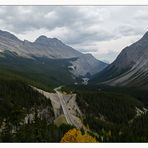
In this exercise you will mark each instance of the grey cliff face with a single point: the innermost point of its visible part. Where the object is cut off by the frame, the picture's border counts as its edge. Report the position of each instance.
(87, 64)
(132, 64)
(7, 35)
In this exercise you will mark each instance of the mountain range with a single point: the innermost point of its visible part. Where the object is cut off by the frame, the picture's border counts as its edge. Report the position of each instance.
(46, 59)
(33, 108)
(130, 67)
(50, 61)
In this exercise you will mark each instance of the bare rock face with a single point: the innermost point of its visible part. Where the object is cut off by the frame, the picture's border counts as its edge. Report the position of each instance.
(86, 64)
(130, 55)
(43, 46)
(131, 66)
(54, 48)
(51, 48)
(5, 34)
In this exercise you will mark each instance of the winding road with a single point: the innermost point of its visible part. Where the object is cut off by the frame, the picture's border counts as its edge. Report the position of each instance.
(59, 99)
(69, 118)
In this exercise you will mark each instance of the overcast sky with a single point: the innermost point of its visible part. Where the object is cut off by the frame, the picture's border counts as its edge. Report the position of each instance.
(101, 30)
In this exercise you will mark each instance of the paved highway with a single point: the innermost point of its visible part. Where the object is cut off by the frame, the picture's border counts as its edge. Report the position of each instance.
(68, 116)
(60, 99)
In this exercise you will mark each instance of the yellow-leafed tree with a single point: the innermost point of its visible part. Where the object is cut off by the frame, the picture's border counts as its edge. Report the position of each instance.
(75, 135)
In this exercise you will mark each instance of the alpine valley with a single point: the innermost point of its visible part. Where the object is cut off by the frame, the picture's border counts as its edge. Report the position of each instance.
(48, 88)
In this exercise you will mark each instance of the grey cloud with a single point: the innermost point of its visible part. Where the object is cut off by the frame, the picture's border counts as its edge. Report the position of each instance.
(141, 15)
(22, 20)
(83, 36)
(127, 30)
(84, 25)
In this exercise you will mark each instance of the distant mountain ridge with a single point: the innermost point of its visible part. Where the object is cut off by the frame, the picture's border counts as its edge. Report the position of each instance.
(46, 49)
(42, 46)
(130, 68)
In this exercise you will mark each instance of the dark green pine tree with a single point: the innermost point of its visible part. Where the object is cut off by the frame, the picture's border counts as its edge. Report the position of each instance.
(6, 135)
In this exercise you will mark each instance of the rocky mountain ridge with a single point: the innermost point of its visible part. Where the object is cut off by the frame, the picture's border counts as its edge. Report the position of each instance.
(130, 68)
(77, 63)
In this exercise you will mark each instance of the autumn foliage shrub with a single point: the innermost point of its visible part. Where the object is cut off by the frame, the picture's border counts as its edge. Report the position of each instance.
(75, 135)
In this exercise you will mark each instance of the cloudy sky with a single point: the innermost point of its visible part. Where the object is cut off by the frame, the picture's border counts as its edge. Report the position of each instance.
(101, 30)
